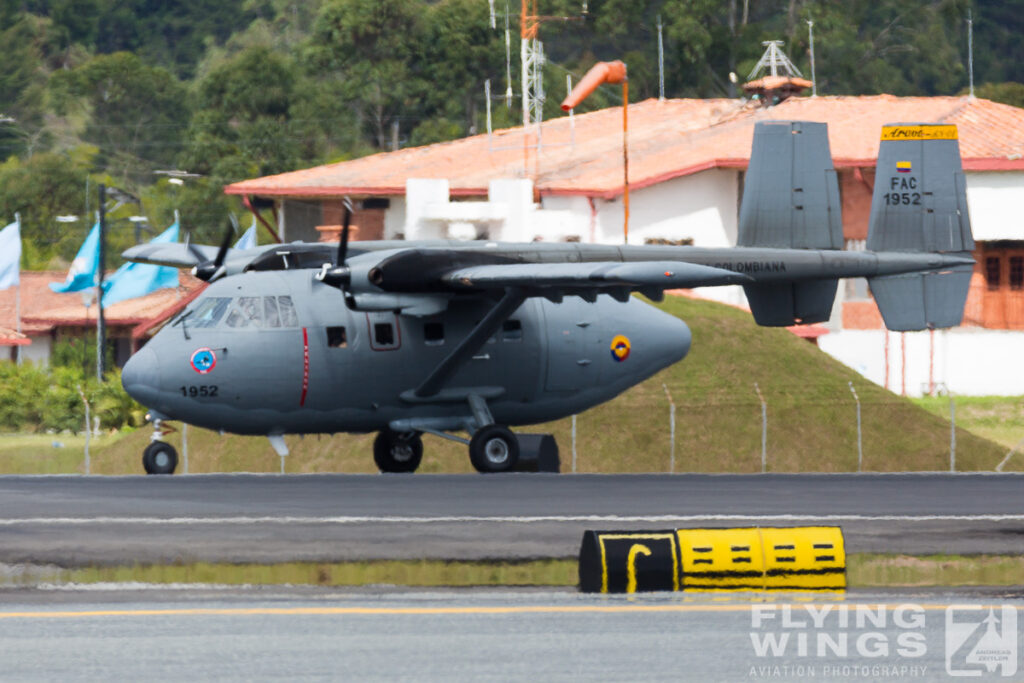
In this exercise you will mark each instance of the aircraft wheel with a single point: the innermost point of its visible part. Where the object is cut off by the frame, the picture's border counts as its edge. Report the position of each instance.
(494, 449)
(160, 458)
(397, 452)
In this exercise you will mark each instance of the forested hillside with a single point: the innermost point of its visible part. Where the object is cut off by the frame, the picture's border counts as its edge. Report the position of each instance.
(112, 90)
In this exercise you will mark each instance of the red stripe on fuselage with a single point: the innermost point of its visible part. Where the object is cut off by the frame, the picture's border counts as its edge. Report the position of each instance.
(305, 366)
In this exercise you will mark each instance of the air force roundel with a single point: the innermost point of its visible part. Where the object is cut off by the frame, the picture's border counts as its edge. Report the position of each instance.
(620, 348)
(204, 360)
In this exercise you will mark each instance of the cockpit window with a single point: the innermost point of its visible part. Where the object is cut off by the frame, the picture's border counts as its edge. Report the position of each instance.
(271, 318)
(209, 312)
(287, 310)
(247, 312)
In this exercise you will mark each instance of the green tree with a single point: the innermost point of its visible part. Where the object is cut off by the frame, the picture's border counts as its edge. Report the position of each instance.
(137, 113)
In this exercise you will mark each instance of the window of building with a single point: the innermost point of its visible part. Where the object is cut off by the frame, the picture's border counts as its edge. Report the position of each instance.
(992, 272)
(433, 334)
(512, 330)
(336, 338)
(1017, 272)
(384, 334)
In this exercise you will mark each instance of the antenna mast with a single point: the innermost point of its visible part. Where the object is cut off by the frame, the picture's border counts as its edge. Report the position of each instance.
(772, 59)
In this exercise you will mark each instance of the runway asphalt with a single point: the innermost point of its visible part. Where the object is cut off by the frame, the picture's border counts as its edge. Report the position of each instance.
(74, 520)
(499, 636)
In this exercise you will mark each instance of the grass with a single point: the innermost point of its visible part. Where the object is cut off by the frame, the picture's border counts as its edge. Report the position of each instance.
(50, 453)
(998, 418)
(811, 420)
(863, 571)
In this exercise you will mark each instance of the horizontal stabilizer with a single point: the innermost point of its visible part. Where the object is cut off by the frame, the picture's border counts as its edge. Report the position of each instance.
(791, 194)
(782, 304)
(921, 301)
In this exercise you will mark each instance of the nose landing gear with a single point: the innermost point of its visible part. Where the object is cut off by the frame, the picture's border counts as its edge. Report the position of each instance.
(397, 451)
(160, 456)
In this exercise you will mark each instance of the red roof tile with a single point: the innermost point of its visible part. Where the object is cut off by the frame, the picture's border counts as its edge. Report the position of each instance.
(667, 139)
(43, 309)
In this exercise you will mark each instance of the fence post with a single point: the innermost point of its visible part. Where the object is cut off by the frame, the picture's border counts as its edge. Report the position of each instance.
(671, 430)
(88, 427)
(574, 444)
(764, 429)
(860, 441)
(952, 432)
(184, 446)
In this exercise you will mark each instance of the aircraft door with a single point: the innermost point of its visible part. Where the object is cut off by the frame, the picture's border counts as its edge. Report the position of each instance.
(574, 342)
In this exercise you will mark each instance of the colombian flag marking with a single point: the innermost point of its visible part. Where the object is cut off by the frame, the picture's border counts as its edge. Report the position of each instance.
(903, 166)
(620, 348)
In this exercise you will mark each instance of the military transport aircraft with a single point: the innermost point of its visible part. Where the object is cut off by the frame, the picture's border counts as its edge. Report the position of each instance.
(405, 338)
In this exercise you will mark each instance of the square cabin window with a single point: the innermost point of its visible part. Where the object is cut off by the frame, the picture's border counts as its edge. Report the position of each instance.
(384, 334)
(433, 334)
(512, 331)
(336, 338)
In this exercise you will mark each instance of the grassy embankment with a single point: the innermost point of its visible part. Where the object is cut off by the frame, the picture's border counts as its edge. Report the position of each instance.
(864, 571)
(811, 421)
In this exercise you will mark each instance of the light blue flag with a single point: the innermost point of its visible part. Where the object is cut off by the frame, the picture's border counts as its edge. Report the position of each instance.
(248, 239)
(10, 256)
(139, 279)
(82, 274)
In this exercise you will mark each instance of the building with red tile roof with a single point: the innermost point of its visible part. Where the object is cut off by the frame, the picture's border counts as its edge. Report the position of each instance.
(47, 316)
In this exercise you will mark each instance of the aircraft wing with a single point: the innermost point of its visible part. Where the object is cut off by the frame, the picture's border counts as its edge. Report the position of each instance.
(174, 254)
(598, 275)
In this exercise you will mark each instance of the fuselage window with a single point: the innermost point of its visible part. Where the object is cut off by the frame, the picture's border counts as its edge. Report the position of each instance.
(384, 334)
(209, 312)
(512, 330)
(433, 334)
(336, 337)
(287, 311)
(270, 315)
(246, 313)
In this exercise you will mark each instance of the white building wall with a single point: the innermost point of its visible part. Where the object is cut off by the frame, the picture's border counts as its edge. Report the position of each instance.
(38, 351)
(967, 361)
(994, 201)
(394, 218)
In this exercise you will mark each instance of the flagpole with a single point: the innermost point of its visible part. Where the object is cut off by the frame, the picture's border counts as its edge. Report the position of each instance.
(100, 326)
(17, 294)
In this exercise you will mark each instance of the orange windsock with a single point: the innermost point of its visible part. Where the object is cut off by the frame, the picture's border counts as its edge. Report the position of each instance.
(599, 74)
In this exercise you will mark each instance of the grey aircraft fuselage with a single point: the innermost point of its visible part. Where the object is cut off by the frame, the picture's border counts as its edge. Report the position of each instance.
(294, 374)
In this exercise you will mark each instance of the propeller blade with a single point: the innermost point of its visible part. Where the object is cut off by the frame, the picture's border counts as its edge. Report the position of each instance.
(343, 243)
(192, 249)
(223, 251)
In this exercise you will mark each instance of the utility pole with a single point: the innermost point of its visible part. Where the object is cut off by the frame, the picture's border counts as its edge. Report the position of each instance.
(101, 332)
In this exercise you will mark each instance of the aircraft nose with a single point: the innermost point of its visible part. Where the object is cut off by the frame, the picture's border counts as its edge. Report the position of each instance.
(140, 374)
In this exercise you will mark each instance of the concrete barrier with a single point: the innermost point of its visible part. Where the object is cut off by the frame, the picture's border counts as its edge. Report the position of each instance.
(749, 558)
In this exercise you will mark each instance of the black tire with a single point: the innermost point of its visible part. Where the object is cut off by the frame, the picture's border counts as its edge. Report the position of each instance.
(494, 449)
(397, 452)
(160, 458)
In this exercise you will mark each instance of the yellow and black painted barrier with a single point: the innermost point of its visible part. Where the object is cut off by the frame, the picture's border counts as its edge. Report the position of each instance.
(748, 558)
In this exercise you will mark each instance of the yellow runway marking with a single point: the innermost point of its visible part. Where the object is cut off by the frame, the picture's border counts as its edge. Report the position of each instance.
(397, 611)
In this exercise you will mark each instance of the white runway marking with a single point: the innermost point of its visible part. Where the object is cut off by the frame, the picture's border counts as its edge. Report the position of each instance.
(206, 521)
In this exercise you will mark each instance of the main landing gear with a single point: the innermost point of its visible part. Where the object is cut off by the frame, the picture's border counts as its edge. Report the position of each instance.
(160, 456)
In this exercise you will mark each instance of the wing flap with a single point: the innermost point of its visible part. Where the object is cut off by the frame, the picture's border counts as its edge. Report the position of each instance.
(601, 275)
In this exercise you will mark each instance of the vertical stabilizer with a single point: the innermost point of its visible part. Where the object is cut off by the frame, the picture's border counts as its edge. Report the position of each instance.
(791, 201)
(791, 194)
(919, 204)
